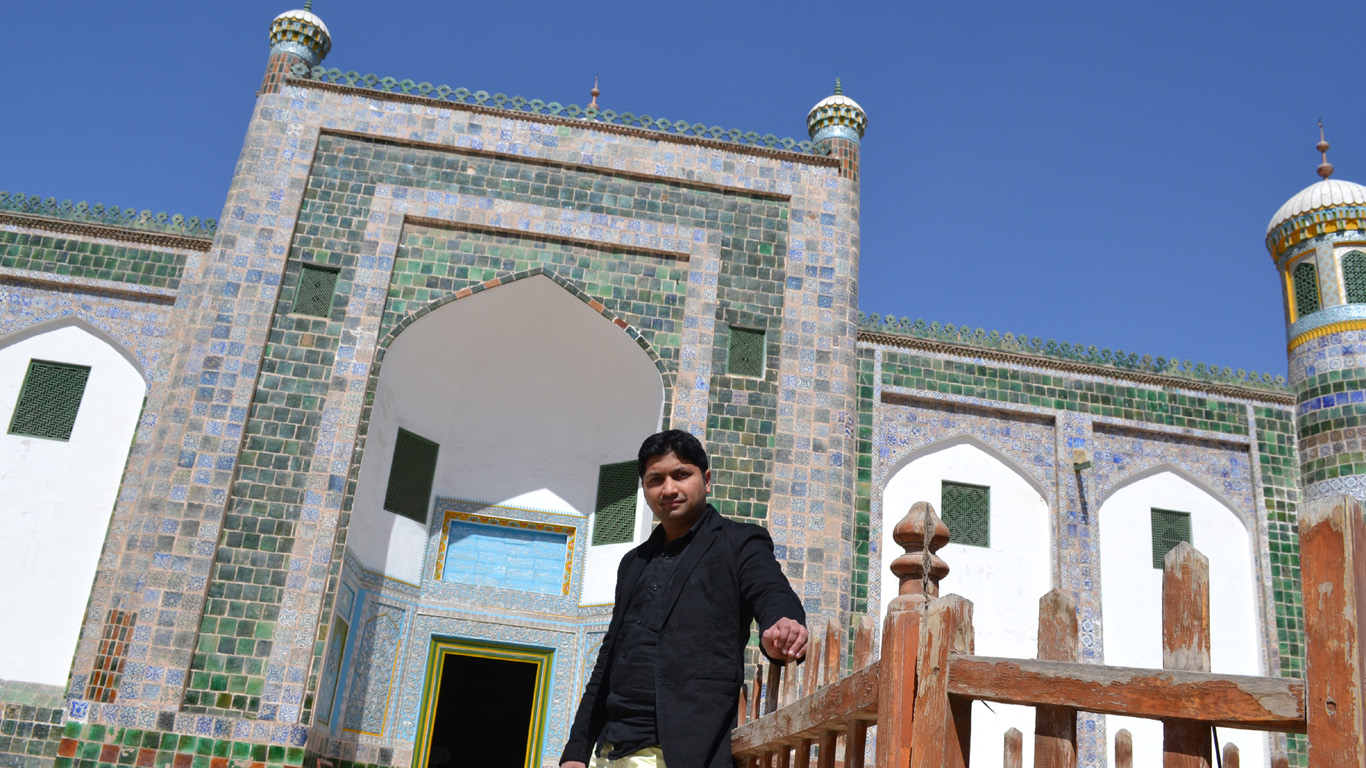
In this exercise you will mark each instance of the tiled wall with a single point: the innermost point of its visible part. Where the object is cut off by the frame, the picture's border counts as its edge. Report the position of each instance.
(1036, 415)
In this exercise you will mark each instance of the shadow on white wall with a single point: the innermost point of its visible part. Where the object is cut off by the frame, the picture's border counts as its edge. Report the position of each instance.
(527, 390)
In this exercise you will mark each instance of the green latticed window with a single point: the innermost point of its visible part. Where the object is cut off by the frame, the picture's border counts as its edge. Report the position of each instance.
(1306, 289)
(1169, 529)
(49, 400)
(1354, 277)
(410, 476)
(614, 516)
(316, 286)
(966, 510)
(745, 356)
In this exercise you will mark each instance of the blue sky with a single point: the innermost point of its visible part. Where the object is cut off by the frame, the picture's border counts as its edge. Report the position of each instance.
(1094, 172)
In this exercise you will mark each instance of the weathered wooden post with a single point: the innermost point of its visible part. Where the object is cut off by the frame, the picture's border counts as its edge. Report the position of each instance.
(811, 672)
(1014, 749)
(1055, 728)
(1231, 757)
(1333, 578)
(1185, 645)
(834, 664)
(1124, 749)
(920, 534)
(856, 740)
(942, 724)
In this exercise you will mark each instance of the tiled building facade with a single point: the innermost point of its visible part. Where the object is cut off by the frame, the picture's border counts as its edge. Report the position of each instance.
(255, 602)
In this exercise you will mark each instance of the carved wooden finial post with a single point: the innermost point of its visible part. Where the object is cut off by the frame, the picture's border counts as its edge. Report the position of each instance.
(920, 533)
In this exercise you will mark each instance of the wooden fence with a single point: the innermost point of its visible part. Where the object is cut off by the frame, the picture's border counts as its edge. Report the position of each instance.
(920, 692)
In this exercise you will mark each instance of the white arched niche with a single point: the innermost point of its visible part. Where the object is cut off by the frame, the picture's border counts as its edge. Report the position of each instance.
(1131, 596)
(57, 497)
(527, 390)
(1003, 581)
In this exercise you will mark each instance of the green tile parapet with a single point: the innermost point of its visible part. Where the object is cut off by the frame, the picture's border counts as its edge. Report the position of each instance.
(1088, 355)
(554, 109)
(111, 216)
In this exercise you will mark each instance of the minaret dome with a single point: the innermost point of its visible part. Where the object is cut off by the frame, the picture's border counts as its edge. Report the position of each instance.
(836, 116)
(296, 37)
(302, 33)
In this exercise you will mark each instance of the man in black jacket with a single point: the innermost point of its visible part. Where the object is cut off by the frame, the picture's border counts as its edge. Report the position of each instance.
(667, 680)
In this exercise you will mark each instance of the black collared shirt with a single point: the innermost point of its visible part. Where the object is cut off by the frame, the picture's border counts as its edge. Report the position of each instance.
(631, 724)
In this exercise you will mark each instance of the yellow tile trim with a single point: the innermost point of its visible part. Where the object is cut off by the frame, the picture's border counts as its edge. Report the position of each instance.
(393, 672)
(1324, 330)
(436, 658)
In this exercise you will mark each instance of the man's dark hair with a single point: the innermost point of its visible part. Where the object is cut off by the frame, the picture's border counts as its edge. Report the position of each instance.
(675, 441)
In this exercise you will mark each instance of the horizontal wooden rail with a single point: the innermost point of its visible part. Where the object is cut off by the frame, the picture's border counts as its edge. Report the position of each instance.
(1233, 701)
(835, 706)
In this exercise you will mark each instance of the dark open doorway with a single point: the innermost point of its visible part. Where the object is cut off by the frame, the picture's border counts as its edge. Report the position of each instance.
(485, 706)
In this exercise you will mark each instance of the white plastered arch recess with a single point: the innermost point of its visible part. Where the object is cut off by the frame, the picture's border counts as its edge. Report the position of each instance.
(527, 390)
(59, 495)
(1131, 591)
(1004, 581)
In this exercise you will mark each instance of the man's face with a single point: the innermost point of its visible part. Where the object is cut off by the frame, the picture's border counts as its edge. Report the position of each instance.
(676, 492)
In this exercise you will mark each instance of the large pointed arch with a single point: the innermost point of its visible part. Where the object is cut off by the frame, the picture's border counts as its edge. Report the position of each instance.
(522, 394)
(73, 321)
(966, 438)
(1140, 475)
(568, 285)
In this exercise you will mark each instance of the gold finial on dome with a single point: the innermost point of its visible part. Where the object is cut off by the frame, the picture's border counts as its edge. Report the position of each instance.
(1325, 168)
(595, 93)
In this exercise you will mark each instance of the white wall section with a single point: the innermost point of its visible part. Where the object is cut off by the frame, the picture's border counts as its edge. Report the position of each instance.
(1131, 598)
(1004, 582)
(528, 390)
(57, 499)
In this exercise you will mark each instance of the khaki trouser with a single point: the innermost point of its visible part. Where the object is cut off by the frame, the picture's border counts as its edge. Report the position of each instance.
(652, 757)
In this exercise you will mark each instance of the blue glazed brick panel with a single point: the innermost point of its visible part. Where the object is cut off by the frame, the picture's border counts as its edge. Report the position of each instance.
(510, 558)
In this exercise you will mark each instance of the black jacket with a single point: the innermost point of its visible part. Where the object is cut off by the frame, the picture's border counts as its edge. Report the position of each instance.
(725, 580)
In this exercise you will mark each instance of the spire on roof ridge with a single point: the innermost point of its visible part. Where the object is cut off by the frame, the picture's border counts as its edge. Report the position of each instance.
(839, 91)
(594, 93)
(1325, 167)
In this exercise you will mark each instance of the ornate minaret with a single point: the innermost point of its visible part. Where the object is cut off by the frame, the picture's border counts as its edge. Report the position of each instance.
(296, 37)
(838, 122)
(1318, 242)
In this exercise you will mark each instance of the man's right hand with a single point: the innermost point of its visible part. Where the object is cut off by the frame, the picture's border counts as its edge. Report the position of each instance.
(573, 764)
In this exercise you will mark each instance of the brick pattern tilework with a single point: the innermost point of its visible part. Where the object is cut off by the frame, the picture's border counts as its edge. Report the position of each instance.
(1060, 391)
(28, 734)
(99, 260)
(99, 746)
(1330, 409)
(742, 413)
(111, 655)
(868, 362)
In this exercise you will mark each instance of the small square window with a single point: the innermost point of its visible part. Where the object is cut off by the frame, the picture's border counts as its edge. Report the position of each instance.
(314, 294)
(745, 356)
(49, 400)
(614, 515)
(1169, 529)
(966, 510)
(411, 475)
